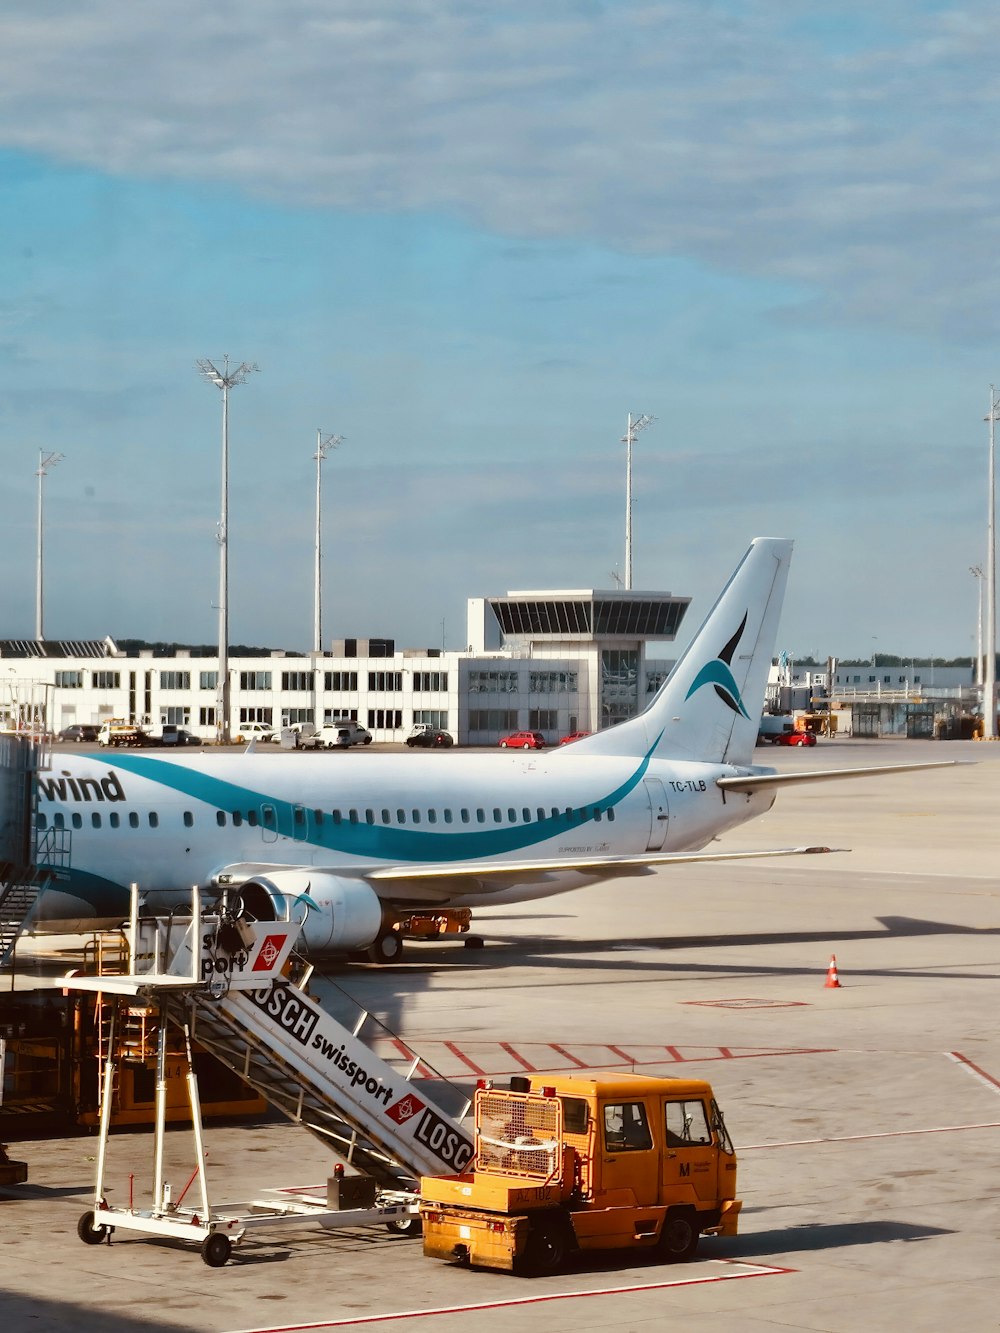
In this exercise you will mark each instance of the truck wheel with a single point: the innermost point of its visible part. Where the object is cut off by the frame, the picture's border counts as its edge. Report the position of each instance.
(405, 1226)
(543, 1253)
(678, 1239)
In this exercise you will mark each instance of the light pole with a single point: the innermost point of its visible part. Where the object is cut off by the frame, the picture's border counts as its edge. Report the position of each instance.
(323, 447)
(224, 379)
(977, 573)
(990, 663)
(45, 463)
(633, 429)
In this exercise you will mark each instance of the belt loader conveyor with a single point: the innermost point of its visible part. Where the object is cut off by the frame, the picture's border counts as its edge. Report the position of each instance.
(224, 979)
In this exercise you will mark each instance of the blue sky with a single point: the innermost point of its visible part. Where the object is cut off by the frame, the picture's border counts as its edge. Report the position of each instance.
(470, 239)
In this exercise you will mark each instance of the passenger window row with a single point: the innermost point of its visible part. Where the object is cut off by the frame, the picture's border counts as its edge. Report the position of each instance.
(255, 819)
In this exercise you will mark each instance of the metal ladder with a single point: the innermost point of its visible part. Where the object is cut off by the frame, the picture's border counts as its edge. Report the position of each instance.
(19, 890)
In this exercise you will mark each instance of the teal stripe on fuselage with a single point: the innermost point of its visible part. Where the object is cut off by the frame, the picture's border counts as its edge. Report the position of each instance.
(377, 841)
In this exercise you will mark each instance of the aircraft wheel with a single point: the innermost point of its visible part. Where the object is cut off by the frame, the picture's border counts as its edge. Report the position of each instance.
(388, 948)
(216, 1249)
(89, 1233)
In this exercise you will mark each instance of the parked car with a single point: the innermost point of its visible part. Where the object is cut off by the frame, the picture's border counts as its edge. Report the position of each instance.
(523, 740)
(80, 731)
(794, 738)
(574, 736)
(431, 737)
(256, 731)
(339, 736)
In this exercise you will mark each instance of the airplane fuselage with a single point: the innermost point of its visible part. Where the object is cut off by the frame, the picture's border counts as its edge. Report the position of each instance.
(166, 823)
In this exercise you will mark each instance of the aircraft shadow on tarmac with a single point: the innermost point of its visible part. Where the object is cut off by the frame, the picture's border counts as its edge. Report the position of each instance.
(422, 962)
(22, 1312)
(755, 1245)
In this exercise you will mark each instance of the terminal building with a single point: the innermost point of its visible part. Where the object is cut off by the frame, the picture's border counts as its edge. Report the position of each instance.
(550, 661)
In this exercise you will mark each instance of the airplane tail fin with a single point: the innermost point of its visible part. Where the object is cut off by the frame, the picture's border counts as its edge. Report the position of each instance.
(709, 706)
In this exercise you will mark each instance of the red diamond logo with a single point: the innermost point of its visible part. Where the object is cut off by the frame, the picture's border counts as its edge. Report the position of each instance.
(405, 1109)
(270, 949)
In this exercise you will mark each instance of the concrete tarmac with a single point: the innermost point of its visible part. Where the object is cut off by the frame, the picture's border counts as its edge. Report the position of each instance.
(867, 1117)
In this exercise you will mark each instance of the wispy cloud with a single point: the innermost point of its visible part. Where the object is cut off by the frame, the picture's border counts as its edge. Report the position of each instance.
(849, 154)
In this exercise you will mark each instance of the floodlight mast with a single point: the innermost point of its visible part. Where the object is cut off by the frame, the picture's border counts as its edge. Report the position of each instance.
(323, 447)
(224, 379)
(45, 463)
(977, 573)
(634, 427)
(990, 664)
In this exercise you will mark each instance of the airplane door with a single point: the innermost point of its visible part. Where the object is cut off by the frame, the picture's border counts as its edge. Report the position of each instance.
(268, 823)
(657, 813)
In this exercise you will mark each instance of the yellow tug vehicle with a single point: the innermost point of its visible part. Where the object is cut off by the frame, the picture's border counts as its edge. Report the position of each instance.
(564, 1164)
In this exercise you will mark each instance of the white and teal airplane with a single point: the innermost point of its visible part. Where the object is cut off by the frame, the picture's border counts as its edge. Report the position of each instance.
(363, 849)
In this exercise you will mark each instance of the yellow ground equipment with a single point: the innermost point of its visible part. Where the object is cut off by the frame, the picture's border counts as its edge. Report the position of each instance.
(566, 1164)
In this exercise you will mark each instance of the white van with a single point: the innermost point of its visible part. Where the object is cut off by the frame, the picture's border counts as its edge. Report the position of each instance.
(256, 731)
(339, 735)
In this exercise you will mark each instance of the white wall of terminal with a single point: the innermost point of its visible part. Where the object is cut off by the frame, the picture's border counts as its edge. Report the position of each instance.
(478, 694)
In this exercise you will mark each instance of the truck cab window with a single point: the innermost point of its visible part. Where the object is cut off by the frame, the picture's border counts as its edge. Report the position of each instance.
(686, 1124)
(626, 1128)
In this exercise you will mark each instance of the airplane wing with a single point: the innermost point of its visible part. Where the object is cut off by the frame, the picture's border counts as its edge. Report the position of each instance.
(507, 873)
(755, 781)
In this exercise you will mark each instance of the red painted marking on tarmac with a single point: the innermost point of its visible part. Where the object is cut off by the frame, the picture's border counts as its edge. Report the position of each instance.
(675, 1055)
(561, 1050)
(964, 1060)
(450, 1046)
(748, 1003)
(615, 1050)
(758, 1270)
(525, 1064)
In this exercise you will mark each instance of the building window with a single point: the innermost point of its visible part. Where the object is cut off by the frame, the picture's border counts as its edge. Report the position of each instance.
(69, 680)
(255, 680)
(256, 715)
(206, 717)
(106, 680)
(340, 680)
(208, 680)
(553, 682)
(175, 680)
(179, 715)
(434, 717)
(385, 682)
(296, 680)
(385, 719)
(493, 719)
(493, 682)
(430, 680)
(543, 719)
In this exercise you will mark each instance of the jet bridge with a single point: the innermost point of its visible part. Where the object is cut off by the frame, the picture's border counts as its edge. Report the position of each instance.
(226, 981)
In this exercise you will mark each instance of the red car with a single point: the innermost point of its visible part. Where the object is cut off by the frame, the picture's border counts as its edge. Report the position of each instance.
(523, 740)
(574, 736)
(794, 738)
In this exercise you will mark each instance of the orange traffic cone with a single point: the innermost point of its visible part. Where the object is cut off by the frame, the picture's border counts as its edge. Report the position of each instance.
(832, 980)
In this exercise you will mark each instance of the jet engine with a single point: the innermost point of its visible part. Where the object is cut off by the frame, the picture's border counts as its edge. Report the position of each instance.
(338, 914)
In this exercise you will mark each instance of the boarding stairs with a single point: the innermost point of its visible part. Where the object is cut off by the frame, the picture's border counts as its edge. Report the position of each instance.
(21, 879)
(224, 981)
